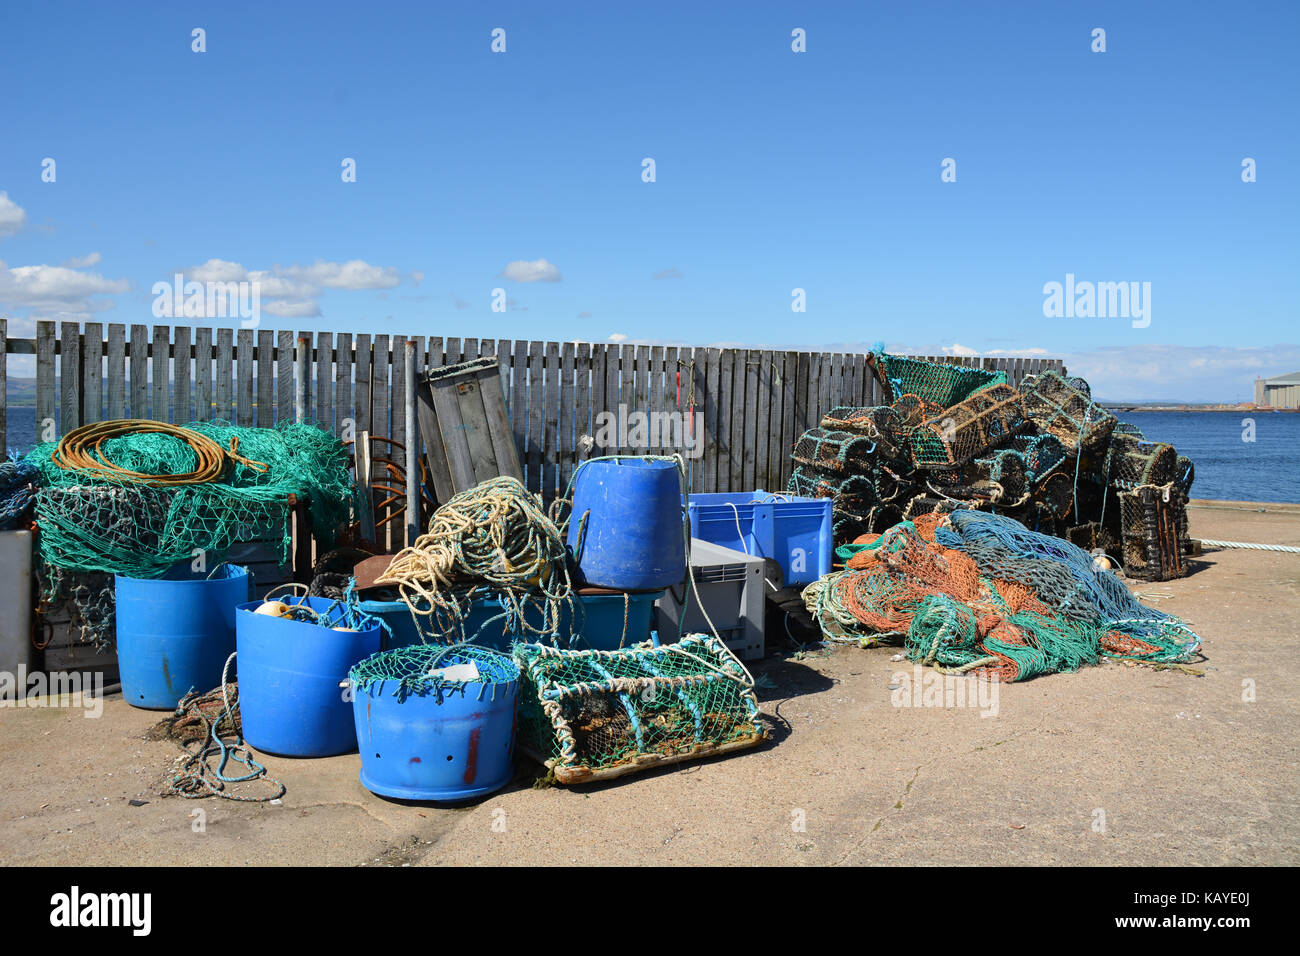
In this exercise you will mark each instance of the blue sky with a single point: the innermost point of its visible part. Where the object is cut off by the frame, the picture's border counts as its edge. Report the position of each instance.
(775, 170)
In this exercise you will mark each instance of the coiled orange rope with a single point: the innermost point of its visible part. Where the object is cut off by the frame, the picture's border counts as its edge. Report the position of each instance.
(82, 450)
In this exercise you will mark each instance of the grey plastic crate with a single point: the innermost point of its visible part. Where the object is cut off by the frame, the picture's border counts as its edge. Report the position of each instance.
(730, 586)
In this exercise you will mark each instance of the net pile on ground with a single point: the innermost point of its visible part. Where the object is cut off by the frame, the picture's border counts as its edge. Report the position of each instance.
(972, 591)
(492, 541)
(136, 498)
(591, 715)
(954, 437)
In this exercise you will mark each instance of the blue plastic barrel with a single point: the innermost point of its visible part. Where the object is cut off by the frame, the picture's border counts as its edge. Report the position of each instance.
(603, 614)
(440, 741)
(290, 701)
(174, 633)
(627, 531)
(402, 630)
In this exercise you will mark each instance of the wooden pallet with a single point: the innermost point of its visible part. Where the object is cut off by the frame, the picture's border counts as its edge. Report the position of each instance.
(463, 421)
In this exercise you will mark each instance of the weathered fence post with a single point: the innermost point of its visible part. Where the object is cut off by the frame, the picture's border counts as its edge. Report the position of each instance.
(412, 448)
(302, 362)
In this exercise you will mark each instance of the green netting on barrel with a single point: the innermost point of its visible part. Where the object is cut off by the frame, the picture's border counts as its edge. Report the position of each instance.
(96, 521)
(943, 384)
(426, 669)
(587, 712)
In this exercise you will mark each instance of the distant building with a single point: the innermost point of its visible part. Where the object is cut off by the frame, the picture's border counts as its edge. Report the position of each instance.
(1280, 391)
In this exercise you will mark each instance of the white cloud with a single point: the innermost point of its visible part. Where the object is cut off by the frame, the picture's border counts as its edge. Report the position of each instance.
(55, 288)
(353, 274)
(1208, 373)
(618, 337)
(1024, 353)
(12, 216)
(217, 270)
(417, 276)
(670, 273)
(54, 294)
(273, 285)
(537, 271)
(291, 292)
(302, 309)
(84, 262)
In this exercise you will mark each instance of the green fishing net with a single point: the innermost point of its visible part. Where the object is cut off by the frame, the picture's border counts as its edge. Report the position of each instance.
(92, 521)
(92, 525)
(944, 385)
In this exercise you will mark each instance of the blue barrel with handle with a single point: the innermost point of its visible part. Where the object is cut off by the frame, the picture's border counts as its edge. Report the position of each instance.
(174, 633)
(435, 723)
(290, 699)
(627, 530)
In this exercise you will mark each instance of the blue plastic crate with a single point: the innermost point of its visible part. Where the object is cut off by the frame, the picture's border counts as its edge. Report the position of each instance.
(795, 532)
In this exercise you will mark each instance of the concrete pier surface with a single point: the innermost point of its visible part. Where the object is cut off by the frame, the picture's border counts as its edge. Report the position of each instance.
(1113, 765)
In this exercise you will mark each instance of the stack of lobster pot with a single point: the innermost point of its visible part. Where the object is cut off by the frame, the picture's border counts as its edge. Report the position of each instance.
(1046, 454)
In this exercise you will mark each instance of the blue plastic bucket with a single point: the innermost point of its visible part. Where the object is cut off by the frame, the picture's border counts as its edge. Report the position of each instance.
(436, 741)
(402, 630)
(290, 701)
(175, 633)
(627, 531)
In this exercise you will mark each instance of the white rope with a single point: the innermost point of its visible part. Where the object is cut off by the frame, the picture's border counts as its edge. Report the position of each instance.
(1285, 549)
(739, 533)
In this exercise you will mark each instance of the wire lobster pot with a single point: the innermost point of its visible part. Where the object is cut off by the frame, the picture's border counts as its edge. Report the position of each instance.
(881, 423)
(1153, 532)
(1063, 407)
(596, 715)
(966, 430)
(1135, 462)
(940, 383)
(836, 451)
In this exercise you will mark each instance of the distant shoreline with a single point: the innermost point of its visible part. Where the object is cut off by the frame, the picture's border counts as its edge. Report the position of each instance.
(1238, 409)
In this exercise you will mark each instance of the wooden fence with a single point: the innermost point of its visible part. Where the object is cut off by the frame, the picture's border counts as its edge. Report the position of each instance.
(752, 404)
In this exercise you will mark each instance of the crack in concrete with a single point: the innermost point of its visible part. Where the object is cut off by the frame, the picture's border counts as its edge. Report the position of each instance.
(898, 804)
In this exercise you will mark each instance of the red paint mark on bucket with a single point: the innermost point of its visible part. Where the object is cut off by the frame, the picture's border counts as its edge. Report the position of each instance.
(471, 761)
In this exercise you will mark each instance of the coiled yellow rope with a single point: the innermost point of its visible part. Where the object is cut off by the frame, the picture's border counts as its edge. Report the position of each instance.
(493, 537)
(82, 450)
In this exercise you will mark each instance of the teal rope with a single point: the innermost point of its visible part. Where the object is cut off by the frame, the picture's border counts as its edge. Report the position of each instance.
(192, 781)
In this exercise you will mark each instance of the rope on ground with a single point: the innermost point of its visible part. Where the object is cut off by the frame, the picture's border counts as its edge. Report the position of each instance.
(197, 778)
(1283, 548)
